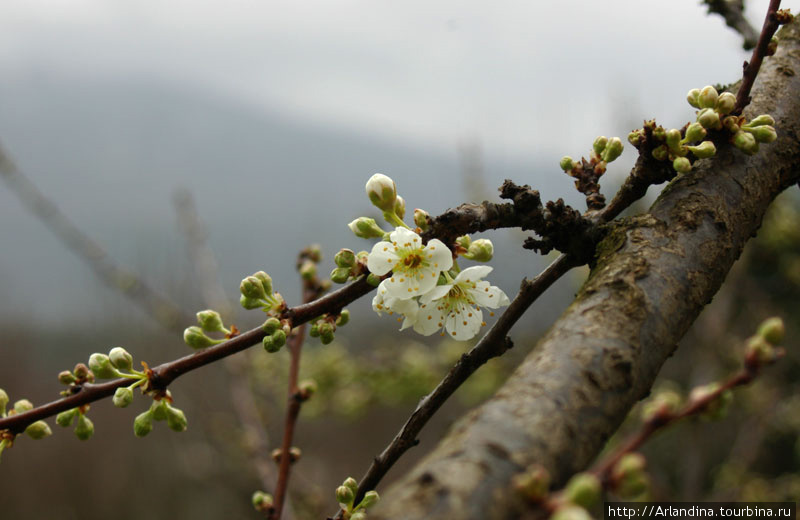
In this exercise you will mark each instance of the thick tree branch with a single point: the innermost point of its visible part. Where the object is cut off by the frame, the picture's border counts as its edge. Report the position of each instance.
(654, 274)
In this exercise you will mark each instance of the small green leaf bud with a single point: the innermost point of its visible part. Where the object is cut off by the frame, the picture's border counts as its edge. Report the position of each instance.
(692, 96)
(682, 165)
(726, 102)
(370, 499)
(421, 219)
(566, 163)
(340, 275)
(308, 270)
(400, 207)
(65, 418)
(120, 358)
(599, 144)
(262, 501)
(763, 134)
(365, 227)
(22, 406)
(3, 401)
(570, 512)
(709, 119)
(351, 483)
(373, 280)
(343, 319)
(745, 142)
(325, 332)
(480, 250)
(101, 366)
(674, 139)
(612, 150)
(583, 489)
(85, 428)
(772, 330)
(65, 377)
(176, 419)
(345, 258)
(143, 424)
(731, 124)
(122, 397)
(249, 303)
(266, 281)
(210, 321)
(38, 430)
(196, 338)
(382, 191)
(763, 119)
(251, 287)
(344, 495)
(707, 97)
(695, 132)
(660, 153)
(704, 150)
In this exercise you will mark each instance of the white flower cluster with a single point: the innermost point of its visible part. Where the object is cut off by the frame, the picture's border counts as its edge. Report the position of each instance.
(413, 291)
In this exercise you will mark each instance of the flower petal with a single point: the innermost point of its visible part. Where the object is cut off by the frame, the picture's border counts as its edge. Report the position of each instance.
(429, 320)
(382, 258)
(438, 292)
(405, 236)
(438, 256)
(402, 286)
(487, 295)
(467, 323)
(474, 273)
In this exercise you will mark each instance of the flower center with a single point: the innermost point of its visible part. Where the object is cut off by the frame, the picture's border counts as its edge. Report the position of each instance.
(413, 260)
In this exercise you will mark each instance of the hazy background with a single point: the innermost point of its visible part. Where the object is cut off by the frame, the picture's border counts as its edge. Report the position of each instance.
(273, 115)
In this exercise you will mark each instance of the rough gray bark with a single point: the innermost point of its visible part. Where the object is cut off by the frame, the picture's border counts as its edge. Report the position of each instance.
(654, 274)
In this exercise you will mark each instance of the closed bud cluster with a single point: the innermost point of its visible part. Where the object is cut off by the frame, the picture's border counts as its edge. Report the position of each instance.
(726, 102)
(344, 496)
(674, 141)
(660, 153)
(566, 163)
(583, 489)
(707, 98)
(480, 250)
(274, 342)
(210, 321)
(101, 367)
(65, 377)
(345, 258)
(763, 134)
(326, 330)
(65, 418)
(612, 150)
(120, 359)
(635, 136)
(692, 96)
(343, 319)
(340, 275)
(745, 142)
(695, 132)
(382, 192)
(709, 118)
(599, 144)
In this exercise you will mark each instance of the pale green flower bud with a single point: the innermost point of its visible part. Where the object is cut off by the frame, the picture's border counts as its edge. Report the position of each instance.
(325, 332)
(197, 339)
(101, 367)
(3, 401)
(176, 419)
(612, 150)
(726, 102)
(400, 207)
(373, 280)
(707, 97)
(692, 96)
(674, 139)
(583, 489)
(731, 124)
(308, 270)
(480, 250)
(251, 287)
(763, 134)
(345, 258)
(665, 402)
(249, 303)
(210, 321)
(370, 499)
(382, 192)
(709, 119)
(421, 219)
(659, 133)
(279, 338)
(262, 501)
(682, 165)
(569, 512)
(566, 163)
(634, 137)
(38, 430)
(759, 351)
(159, 410)
(64, 419)
(22, 406)
(122, 397)
(314, 330)
(85, 428)
(772, 330)
(340, 275)
(365, 227)
(763, 119)
(695, 132)
(344, 318)
(704, 150)
(271, 325)
(143, 424)
(351, 483)
(464, 241)
(629, 464)
(307, 388)
(599, 144)
(344, 495)
(716, 409)
(269, 345)
(745, 142)
(266, 281)
(65, 377)
(120, 358)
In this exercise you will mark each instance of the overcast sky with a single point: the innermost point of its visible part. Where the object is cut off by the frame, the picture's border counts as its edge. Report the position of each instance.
(520, 76)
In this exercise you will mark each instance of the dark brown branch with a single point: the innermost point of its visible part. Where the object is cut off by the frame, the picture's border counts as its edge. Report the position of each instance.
(120, 279)
(166, 373)
(732, 11)
(771, 24)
